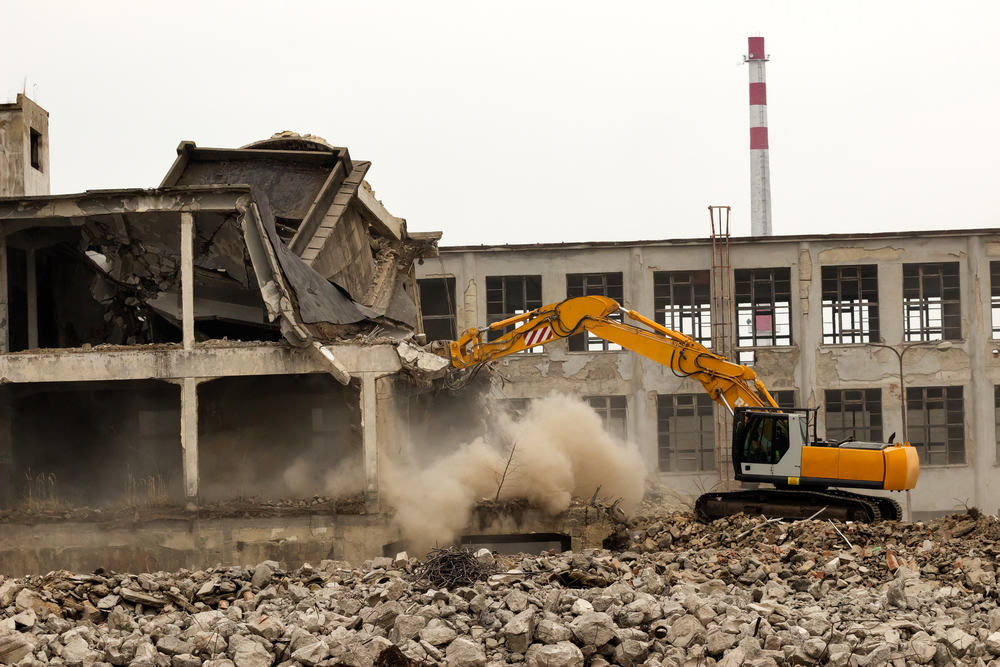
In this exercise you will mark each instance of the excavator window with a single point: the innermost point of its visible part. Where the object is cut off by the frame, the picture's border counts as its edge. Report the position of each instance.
(766, 438)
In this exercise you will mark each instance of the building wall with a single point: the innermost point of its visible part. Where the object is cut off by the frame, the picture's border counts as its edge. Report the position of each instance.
(808, 366)
(17, 175)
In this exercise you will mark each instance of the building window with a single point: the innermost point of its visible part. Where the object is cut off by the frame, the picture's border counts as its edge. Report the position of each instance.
(784, 398)
(931, 302)
(850, 304)
(682, 302)
(507, 296)
(854, 412)
(594, 284)
(36, 150)
(995, 297)
(612, 410)
(764, 306)
(437, 308)
(686, 432)
(935, 424)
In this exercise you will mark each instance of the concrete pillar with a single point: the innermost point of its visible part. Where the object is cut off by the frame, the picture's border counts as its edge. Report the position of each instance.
(473, 310)
(7, 496)
(189, 441)
(187, 278)
(980, 447)
(891, 327)
(369, 437)
(4, 299)
(807, 312)
(32, 279)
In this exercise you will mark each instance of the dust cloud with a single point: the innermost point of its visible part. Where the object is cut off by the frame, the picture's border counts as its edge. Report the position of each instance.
(561, 450)
(343, 479)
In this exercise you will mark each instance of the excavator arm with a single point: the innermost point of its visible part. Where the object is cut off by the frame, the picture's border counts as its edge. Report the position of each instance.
(729, 384)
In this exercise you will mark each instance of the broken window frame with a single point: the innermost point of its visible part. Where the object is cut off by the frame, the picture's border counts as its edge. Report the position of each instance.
(932, 301)
(507, 296)
(768, 293)
(682, 301)
(608, 285)
(613, 411)
(935, 424)
(856, 412)
(440, 318)
(850, 304)
(699, 453)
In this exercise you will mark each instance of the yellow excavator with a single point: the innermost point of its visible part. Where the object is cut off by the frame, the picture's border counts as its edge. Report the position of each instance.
(769, 445)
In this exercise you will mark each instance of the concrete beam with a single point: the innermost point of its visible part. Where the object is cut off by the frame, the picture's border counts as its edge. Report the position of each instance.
(77, 365)
(221, 198)
(389, 224)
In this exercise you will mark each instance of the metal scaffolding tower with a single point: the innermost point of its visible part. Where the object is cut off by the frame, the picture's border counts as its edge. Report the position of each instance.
(722, 336)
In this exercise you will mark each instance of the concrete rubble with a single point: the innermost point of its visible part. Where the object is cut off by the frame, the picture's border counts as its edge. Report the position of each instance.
(739, 591)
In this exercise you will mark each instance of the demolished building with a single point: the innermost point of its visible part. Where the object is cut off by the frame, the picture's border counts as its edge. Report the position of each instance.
(275, 249)
(230, 334)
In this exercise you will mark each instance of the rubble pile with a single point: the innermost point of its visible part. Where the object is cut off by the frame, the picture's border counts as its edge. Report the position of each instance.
(743, 591)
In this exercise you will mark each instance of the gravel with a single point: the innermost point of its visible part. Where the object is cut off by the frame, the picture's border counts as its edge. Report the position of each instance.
(680, 593)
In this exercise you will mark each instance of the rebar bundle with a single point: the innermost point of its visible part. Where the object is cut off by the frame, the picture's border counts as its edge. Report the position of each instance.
(453, 567)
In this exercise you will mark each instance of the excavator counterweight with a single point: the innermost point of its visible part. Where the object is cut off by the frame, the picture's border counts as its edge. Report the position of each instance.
(769, 445)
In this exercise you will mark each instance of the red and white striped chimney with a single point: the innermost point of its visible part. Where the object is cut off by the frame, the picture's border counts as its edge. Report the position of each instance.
(760, 171)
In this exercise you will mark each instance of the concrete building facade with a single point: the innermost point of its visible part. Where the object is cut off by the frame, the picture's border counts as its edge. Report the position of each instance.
(826, 321)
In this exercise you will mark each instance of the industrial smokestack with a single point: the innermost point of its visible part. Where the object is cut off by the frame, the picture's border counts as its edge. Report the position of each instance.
(760, 171)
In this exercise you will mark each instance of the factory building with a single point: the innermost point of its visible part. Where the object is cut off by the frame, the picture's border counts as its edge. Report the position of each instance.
(851, 325)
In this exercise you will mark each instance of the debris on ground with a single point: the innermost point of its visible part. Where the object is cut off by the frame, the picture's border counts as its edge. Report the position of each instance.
(742, 591)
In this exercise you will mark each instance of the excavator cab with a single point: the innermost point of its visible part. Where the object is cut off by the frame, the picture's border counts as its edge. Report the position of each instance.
(767, 445)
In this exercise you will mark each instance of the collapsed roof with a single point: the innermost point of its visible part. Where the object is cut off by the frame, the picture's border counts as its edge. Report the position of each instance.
(289, 241)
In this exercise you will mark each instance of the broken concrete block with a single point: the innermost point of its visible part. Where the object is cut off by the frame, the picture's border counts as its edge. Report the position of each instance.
(561, 654)
(13, 647)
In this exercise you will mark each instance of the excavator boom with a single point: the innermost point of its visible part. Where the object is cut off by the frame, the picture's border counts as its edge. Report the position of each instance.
(731, 385)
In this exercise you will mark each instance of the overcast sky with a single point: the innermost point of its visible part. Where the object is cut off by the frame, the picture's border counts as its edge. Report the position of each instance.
(526, 122)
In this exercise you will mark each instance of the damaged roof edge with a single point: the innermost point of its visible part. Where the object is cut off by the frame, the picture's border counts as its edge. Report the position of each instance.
(132, 200)
(187, 150)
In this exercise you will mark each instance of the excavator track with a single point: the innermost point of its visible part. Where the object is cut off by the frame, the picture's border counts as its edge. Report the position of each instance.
(798, 504)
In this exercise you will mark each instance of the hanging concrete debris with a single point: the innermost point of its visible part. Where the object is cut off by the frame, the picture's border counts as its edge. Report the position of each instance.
(288, 241)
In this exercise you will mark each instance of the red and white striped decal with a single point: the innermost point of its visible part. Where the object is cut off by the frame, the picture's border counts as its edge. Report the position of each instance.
(760, 187)
(538, 336)
(758, 93)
